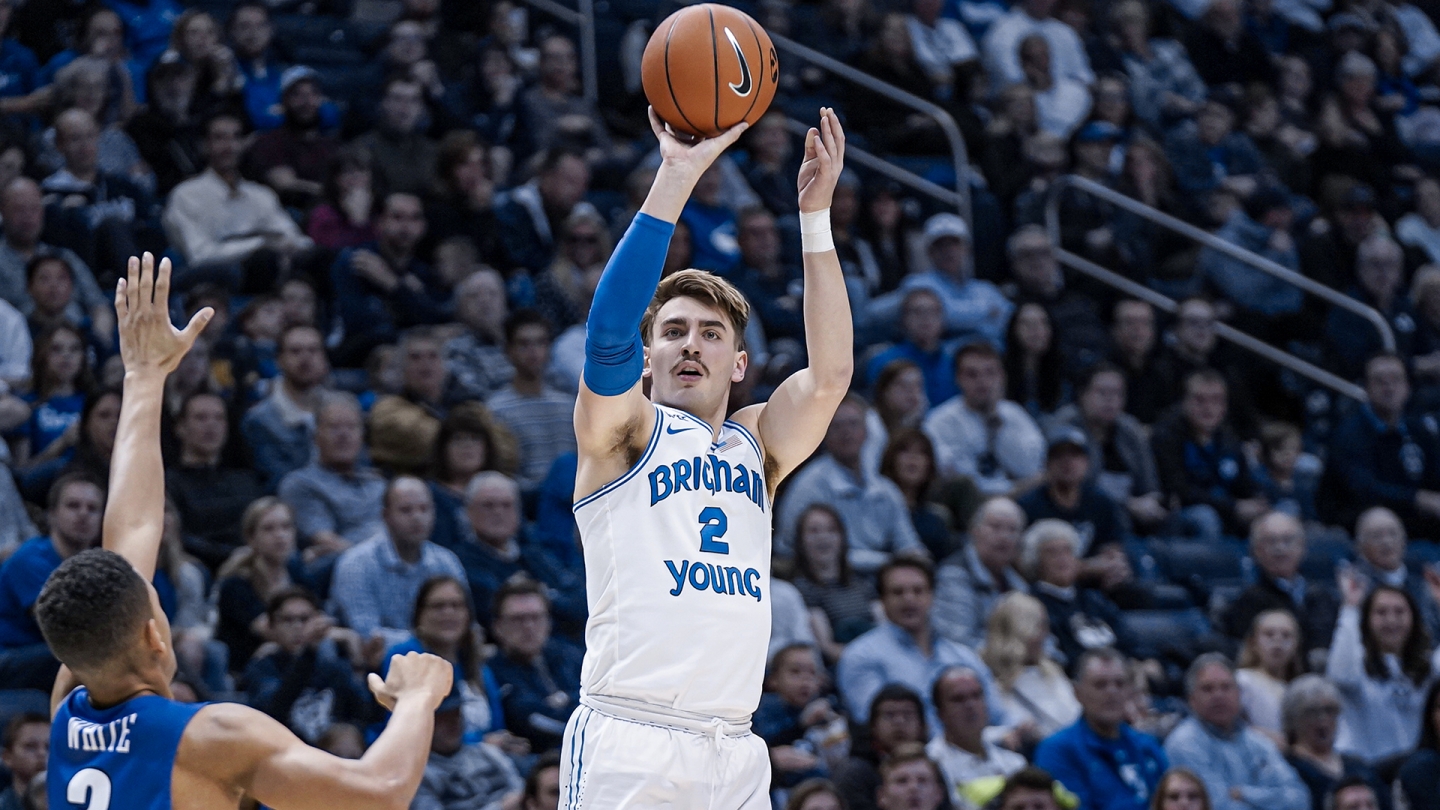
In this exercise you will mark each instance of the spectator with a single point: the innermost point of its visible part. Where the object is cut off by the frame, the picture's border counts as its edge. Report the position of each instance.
(1081, 619)
(280, 429)
(1329, 255)
(1418, 773)
(909, 461)
(539, 676)
(502, 549)
(466, 203)
(553, 111)
(210, 497)
(1381, 543)
(460, 775)
(874, 510)
(60, 380)
(1262, 227)
(538, 415)
(464, 447)
(972, 580)
(1132, 336)
(1392, 459)
(166, 131)
(300, 678)
(1001, 46)
(1239, 766)
(1381, 660)
(76, 504)
(476, 358)
(376, 580)
(979, 434)
(1061, 103)
(909, 780)
(251, 35)
(26, 747)
(972, 308)
(336, 499)
(922, 325)
(1074, 318)
(942, 45)
(564, 290)
(1068, 493)
(22, 209)
(960, 750)
(1035, 695)
(444, 625)
(85, 84)
(815, 794)
(530, 215)
(221, 223)
(542, 785)
(1201, 463)
(382, 287)
(1226, 52)
(1277, 544)
(294, 158)
(841, 601)
(1270, 658)
(1101, 758)
(792, 718)
(764, 277)
(896, 718)
(404, 157)
(1180, 789)
(1287, 484)
(1032, 364)
(877, 117)
(1310, 712)
(246, 582)
(345, 215)
(905, 650)
(1378, 273)
(1354, 793)
(1164, 86)
(1208, 155)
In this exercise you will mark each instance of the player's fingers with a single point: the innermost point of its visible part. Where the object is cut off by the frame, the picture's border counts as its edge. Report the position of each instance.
(729, 136)
(811, 136)
(656, 125)
(122, 303)
(162, 284)
(132, 286)
(827, 130)
(197, 324)
(147, 277)
(377, 688)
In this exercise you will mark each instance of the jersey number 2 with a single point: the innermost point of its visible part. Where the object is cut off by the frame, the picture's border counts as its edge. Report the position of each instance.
(713, 525)
(90, 787)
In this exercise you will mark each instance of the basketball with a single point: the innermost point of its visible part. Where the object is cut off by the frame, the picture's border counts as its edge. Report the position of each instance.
(707, 68)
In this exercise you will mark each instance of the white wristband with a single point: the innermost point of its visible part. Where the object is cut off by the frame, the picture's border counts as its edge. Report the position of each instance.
(815, 235)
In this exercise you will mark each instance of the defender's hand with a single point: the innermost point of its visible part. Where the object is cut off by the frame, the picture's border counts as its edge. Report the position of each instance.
(693, 159)
(148, 340)
(418, 674)
(824, 158)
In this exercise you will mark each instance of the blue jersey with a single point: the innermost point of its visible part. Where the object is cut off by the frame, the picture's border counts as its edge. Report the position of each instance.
(119, 757)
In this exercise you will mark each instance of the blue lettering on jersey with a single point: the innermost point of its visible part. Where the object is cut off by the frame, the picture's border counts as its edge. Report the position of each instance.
(706, 474)
(726, 580)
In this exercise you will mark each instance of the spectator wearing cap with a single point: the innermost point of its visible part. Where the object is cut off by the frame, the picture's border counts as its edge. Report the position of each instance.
(1001, 46)
(1277, 544)
(404, 156)
(1069, 493)
(1392, 459)
(977, 434)
(971, 581)
(166, 130)
(1209, 155)
(1261, 226)
(1381, 543)
(1202, 464)
(1079, 331)
(1101, 758)
(294, 158)
(1240, 767)
(972, 308)
(1379, 271)
(219, 221)
(531, 214)
(960, 750)
(23, 209)
(874, 511)
(464, 776)
(922, 326)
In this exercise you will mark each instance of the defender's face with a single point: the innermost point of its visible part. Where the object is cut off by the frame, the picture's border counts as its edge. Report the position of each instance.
(692, 359)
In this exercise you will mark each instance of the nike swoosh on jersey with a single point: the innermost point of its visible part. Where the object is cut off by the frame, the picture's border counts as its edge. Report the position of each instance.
(670, 429)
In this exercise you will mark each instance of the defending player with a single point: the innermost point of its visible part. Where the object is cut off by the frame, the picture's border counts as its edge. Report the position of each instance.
(673, 501)
(118, 739)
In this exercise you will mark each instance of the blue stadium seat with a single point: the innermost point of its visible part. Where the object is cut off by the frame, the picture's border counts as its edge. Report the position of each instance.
(1201, 567)
(1163, 633)
(1323, 554)
(18, 701)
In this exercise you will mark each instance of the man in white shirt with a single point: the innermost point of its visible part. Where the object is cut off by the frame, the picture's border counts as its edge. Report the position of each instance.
(978, 434)
(960, 750)
(1001, 47)
(941, 44)
(219, 219)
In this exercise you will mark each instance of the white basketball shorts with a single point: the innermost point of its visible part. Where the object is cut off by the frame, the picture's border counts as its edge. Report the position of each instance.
(640, 762)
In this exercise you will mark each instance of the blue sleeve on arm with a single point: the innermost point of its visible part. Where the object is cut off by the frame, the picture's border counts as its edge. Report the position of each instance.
(614, 353)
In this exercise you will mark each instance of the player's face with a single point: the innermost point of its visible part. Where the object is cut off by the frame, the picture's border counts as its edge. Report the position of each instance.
(692, 359)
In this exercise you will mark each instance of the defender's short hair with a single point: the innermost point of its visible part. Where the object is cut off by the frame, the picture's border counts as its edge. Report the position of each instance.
(707, 288)
(83, 637)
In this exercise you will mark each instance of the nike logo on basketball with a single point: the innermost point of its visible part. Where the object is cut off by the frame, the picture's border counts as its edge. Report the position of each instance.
(671, 430)
(743, 88)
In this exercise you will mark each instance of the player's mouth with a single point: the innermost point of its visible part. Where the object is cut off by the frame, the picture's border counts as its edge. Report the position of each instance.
(690, 372)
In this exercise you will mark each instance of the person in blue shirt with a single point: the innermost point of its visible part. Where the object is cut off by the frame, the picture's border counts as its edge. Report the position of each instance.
(147, 25)
(59, 381)
(714, 232)
(773, 285)
(1100, 758)
(922, 325)
(539, 676)
(18, 65)
(74, 516)
(789, 709)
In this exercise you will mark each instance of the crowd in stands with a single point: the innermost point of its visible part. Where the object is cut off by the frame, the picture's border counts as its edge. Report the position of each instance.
(1061, 548)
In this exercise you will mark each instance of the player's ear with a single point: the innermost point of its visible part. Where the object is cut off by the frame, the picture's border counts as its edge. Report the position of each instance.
(646, 353)
(742, 362)
(154, 639)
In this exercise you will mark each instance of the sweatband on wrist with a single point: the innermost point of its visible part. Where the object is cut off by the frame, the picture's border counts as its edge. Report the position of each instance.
(614, 352)
(815, 235)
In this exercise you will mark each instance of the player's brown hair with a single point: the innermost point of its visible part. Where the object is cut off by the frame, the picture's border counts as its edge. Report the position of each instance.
(707, 288)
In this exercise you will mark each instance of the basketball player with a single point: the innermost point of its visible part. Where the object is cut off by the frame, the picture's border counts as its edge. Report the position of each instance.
(118, 739)
(673, 501)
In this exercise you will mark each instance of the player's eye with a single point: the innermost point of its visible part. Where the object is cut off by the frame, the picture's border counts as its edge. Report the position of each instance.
(712, 335)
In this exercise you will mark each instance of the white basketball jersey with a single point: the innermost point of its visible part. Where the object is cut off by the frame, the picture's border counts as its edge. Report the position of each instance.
(677, 566)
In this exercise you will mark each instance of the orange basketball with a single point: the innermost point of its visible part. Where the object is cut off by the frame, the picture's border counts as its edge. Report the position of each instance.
(707, 68)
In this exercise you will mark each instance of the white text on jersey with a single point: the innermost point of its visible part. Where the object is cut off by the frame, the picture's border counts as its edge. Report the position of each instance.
(113, 736)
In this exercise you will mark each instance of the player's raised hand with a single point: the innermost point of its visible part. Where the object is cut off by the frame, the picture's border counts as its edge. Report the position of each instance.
(148, 340)
(695, 157)
(421, 674)
(824, 158)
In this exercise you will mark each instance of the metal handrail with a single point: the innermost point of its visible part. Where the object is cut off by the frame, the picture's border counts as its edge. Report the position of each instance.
(943, 118)
(879, 165)
(1210, 240)
(583, 19)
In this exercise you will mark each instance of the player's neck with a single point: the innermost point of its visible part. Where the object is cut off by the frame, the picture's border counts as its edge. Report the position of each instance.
(116, 689)
(713, 416)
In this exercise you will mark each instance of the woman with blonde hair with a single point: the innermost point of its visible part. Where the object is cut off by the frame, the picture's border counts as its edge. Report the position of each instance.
(254, 573)
(1269, 661)
(1034, 690)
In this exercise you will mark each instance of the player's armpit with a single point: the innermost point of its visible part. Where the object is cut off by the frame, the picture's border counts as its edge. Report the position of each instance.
(794, 420)
(239, 749)
(610, 434)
